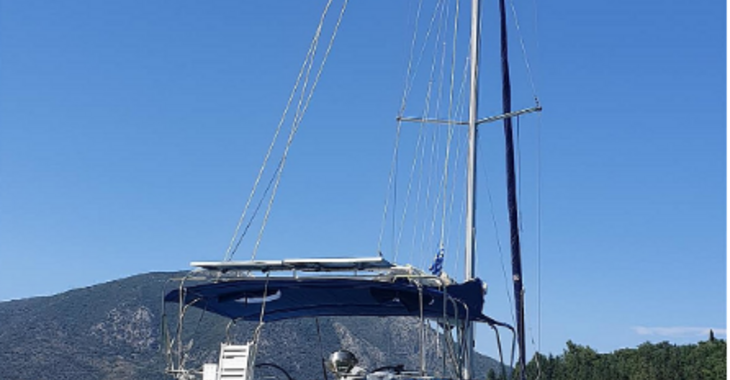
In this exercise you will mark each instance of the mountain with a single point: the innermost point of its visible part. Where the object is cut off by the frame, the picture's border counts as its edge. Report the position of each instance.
(113, 331)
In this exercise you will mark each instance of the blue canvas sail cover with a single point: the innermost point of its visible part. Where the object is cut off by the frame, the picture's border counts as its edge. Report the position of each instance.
(286, 298)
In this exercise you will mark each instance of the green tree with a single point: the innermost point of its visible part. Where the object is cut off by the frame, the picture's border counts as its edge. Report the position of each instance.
(491, 375)
(661, 361)
(581, 362)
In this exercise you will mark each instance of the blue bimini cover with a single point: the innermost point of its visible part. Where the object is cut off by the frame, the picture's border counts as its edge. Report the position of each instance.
(287, 298)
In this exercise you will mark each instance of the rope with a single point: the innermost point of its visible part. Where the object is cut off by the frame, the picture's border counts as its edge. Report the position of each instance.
(257, 332)
(294, 126)
(255, 212)
(302, 107)
(231, 249)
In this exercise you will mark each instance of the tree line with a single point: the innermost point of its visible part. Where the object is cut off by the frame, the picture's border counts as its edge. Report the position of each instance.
(661, 361)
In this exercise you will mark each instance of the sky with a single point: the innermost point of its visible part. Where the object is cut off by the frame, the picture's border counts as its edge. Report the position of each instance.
(131, 133)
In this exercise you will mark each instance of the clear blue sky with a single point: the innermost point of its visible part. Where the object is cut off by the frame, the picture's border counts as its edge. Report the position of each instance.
(131, 132)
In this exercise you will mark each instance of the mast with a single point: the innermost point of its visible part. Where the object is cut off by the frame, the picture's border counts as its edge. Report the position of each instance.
(512, 193)
(471, 177)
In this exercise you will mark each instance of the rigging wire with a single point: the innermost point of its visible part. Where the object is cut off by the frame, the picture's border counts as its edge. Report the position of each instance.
(438, 12)
(409, 86)
(459, 158)
(538, 158)
(499, 244)
(524, 51)
(418, 195)
(408, 193)
(427, 238)
(539, 197)
(518, 154)
(436, 133)
(450, 127)
(539, 230)
(392, 184)
(420, 56)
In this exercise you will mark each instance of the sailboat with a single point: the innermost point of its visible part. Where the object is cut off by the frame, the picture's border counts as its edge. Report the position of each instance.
(268, 291)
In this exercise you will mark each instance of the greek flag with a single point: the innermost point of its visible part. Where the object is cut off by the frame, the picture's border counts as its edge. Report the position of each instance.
(438, 263)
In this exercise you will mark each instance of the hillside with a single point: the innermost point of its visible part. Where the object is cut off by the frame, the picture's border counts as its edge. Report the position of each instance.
(112, 331)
